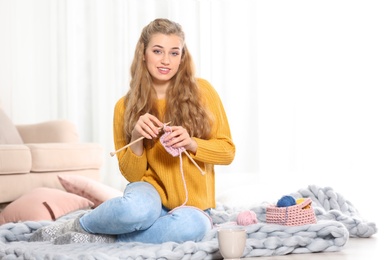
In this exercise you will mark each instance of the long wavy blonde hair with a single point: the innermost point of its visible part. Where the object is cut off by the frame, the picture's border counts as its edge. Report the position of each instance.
(183, 101)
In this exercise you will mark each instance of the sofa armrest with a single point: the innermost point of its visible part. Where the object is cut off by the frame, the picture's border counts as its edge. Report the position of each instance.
(55, 131)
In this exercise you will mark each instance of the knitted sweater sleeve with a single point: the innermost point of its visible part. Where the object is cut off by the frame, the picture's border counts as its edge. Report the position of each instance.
(131, 166)
(219, 149)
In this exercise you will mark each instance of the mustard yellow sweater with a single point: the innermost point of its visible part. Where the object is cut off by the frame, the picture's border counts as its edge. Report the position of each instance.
(162, 170)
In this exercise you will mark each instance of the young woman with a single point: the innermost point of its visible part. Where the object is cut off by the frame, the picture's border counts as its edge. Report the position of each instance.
(166, 109)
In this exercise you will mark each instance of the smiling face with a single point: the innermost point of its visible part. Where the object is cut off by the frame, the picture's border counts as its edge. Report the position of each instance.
(162, 56)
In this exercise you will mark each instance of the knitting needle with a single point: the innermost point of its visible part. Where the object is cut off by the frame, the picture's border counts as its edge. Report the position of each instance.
(193, 161)
(137, 140)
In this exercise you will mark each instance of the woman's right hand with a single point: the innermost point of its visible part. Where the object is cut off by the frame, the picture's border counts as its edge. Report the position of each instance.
(147, 126)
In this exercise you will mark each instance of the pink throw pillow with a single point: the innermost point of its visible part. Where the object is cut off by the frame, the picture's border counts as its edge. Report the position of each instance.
(88, 188)
(43, 204)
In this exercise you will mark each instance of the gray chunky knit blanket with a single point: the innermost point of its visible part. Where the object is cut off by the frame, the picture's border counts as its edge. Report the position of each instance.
(337, 220)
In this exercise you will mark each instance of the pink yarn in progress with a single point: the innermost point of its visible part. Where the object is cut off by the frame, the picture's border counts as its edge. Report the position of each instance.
(246, 218)
(173, 151)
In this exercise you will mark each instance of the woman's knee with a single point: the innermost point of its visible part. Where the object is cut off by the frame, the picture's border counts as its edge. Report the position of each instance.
(140, 203)
(141, 195)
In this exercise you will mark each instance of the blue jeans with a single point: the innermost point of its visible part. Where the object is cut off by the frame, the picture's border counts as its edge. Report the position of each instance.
(138, 216)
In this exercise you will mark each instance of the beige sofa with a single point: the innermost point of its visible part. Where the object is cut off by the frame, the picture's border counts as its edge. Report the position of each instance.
(33, 155)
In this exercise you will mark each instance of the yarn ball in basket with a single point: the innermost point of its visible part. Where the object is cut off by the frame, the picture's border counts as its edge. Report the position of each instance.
(247, 217)
(300, 200)
(286, 201)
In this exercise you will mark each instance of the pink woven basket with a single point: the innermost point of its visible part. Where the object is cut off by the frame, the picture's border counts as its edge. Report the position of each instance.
(297, 215)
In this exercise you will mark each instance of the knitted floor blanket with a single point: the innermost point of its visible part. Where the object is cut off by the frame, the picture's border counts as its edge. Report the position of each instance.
(337, 220)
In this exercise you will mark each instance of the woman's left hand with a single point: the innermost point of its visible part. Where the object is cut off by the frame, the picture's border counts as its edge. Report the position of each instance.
(179, 137)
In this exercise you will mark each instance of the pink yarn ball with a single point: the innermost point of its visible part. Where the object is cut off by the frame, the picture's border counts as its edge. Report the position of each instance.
(246, 218)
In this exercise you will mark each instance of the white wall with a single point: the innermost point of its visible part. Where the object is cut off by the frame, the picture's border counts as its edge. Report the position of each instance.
(323, 87)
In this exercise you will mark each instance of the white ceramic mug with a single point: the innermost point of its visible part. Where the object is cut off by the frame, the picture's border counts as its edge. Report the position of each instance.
(231, 242)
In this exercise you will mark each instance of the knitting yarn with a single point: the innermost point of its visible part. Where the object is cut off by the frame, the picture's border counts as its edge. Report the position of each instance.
(300, 200)
(247, 217)
(171, 150)
(175, 152)
(286, 201)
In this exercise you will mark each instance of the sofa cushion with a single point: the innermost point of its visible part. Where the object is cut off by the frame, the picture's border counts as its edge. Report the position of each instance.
(14, 158)
(93, 190)
(12, 186)
(43, 204)
(8, 131)
(65, 156)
